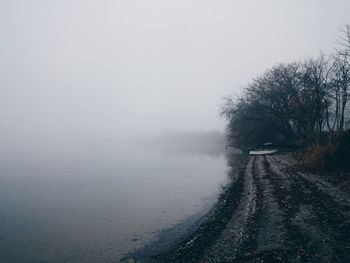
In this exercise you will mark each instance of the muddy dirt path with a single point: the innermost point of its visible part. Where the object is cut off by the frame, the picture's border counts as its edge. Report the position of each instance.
(272, 213)
(285, 216)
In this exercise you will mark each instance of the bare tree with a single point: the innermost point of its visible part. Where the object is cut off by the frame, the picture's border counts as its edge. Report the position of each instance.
(293, 101)
(344, 43)
(342, 69)
(316, 82)
(341, 86)
(265, 106)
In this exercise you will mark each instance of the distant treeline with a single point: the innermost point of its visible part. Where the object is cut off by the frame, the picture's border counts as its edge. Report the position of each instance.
(295, 102)
(190, 137)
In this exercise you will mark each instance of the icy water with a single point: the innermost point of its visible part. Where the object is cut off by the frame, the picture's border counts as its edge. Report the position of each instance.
(97, 201)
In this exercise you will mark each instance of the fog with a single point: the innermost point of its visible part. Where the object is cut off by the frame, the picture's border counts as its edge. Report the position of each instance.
(83, 69)
(80, 78)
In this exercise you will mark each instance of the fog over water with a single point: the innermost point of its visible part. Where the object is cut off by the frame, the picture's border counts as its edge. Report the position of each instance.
(109, 126)
(84, 201)
(107, 68)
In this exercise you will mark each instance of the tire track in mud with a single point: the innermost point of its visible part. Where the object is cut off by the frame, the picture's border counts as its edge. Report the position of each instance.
(318, 222)
(272, 214)
(228, 246)
(299, 218)
(296, 218)
(256, 232)
(270, 235)
(316, 181)
(332, 200)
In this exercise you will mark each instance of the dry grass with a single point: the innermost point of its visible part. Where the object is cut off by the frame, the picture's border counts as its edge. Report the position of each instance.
(331, 155)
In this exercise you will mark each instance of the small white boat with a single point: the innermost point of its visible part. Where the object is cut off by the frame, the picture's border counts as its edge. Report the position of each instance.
(262, 152)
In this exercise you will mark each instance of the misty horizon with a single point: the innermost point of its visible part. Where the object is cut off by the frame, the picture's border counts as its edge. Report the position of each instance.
(121, 124)
(92, 69)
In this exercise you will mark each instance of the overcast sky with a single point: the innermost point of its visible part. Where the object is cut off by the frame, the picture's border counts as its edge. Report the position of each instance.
(119, 67)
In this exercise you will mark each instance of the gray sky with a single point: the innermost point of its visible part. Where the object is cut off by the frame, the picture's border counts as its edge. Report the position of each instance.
(118, 67)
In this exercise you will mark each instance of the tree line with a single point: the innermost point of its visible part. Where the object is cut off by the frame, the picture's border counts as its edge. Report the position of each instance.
(294, 102)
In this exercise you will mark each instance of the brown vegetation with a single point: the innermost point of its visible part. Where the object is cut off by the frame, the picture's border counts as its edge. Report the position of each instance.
(332, 154)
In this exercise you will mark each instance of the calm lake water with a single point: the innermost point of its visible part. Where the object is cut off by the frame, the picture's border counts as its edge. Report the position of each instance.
(96, 202)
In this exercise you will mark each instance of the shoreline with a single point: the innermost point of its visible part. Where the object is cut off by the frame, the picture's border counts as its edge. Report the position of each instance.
(203, 232)
(272, 211)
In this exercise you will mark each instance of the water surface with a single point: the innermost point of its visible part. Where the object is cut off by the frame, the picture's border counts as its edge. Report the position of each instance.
(83, 201)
